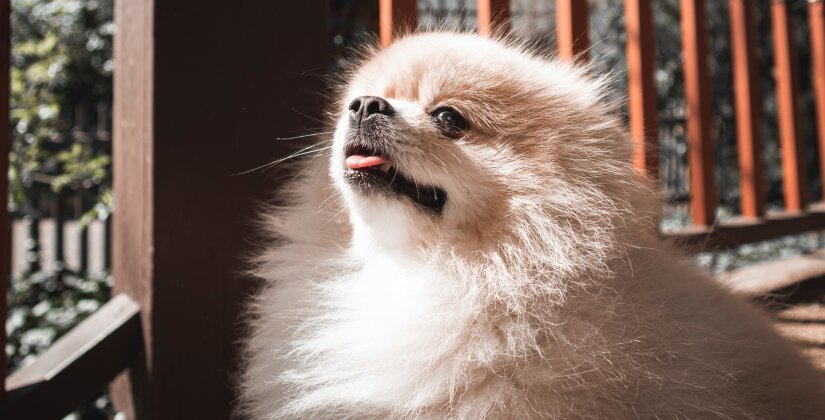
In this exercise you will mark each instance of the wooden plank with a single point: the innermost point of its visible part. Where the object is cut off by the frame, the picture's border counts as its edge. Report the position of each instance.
(78, 366)
(743, 230)
(644, 125)
(47, 239)
(133, 178)
(193, 106)
(748, 99)
(5, 252)
(572, 29)
(73, 235)
(19, 249)
(493, 16)
(787, 98)
(763, 278)
(57, 209)
(816, 21)
(97, 245)
(701, 151)
(396, 16)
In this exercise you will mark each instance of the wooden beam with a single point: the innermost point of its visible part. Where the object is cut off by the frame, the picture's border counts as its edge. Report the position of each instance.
(493, 15)
(193, 106)
(644, 125)
(743, 230)
(701, 150)
(748, 99)
(787, 98)
(5, 141)
(816, 20)
(572, 29)
(133, 179)
(77, 367)
(396, 16)
(768, 277)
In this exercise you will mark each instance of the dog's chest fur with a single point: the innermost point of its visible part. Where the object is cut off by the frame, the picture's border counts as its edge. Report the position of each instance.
(376, 336)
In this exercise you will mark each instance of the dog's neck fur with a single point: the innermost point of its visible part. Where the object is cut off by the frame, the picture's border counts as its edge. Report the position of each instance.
(385, 293)
(379, 231)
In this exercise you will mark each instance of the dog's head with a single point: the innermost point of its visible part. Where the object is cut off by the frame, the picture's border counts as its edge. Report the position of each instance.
(449, 138)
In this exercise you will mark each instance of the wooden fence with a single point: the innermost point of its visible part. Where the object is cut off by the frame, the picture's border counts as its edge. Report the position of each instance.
(57, 227)
(60, 246)
(176, 249)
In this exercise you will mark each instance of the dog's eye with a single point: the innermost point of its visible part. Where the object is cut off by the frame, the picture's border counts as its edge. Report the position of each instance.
(450, 122)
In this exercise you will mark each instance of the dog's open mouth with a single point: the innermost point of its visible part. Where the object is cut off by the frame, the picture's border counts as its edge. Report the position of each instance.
(369, 169)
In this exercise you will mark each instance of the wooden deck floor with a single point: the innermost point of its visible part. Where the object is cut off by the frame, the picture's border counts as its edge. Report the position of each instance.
(799, 315)
(804, 324)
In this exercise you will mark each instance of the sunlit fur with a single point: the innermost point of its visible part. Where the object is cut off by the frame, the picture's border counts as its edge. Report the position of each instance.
(542, 290)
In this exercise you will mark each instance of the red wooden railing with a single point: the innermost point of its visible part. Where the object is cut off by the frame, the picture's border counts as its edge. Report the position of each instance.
(816, 21)
(748, 102)
(113, 339)
(493, 15)
(754, 224)
(572, 29)
(396, 16)
(701, 151)
(787, 97)
(644, 126)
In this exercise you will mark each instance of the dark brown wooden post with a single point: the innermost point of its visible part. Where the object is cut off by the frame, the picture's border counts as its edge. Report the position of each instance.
(202, 89)
(644, 126)
(493, 15)
(572, 29)
(5, 133)
(816, 19)
(697, 95)
(396, 16)
(787, 101)
(748, 99)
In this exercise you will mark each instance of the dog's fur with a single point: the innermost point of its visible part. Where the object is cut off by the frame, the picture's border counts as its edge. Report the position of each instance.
(541, 289)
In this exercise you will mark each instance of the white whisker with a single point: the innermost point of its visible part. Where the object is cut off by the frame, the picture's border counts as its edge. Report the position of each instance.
(303, 136)
(302, 152)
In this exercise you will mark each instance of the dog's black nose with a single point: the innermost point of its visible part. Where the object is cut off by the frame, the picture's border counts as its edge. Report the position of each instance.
(366, 106)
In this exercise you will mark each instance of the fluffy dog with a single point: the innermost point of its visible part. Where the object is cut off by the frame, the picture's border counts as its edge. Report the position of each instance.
(477, 246)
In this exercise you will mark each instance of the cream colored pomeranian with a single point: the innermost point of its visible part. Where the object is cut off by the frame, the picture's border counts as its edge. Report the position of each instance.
(479, 246)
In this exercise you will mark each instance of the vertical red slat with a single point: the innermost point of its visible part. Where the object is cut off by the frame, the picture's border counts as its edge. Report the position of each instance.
(493, 15)
(816, 19)
(748, 99)
(787, 98)
(5, 33)
(395, 16)
(644, 126)
(697, 95)
(572, 28)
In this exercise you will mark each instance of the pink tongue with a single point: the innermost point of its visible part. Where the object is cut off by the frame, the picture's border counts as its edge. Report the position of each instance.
(361, 161)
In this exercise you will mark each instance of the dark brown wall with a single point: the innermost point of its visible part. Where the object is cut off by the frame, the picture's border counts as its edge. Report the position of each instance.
(202, 89)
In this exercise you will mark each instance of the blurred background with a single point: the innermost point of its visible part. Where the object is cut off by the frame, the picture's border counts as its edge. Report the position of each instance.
(60, 193)
(60, 177)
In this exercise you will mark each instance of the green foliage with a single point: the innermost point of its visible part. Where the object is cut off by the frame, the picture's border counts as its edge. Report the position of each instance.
(61, 71)
(43, 306)
(61, 65)
(61, 90)
(80, 164)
